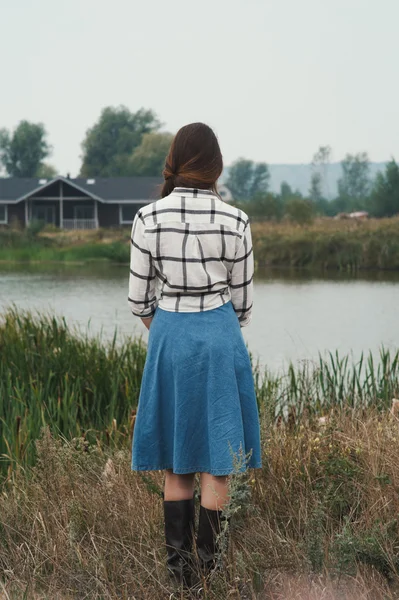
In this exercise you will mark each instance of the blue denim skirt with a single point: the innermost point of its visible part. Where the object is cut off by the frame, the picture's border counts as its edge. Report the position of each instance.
(197, 409)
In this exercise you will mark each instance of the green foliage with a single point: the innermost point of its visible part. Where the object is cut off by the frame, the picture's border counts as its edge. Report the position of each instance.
(320, 166)
(34, 228)
(246, 179)
(51, 376)
(109, 144)
(266, 206)
(22, 153)
(385, 195)
(369, 547)
(315, 192)
(299, 210)
(354, 185)
(285, 191)
(46, 171)
(149, 158)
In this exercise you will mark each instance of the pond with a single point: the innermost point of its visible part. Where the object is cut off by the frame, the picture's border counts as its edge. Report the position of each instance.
(296, 314)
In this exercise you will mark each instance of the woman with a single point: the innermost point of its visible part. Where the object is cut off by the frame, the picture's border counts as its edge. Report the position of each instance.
(197, 409)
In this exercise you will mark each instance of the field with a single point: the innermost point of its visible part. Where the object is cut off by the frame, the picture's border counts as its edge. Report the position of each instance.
(344, 245)
(318, 521)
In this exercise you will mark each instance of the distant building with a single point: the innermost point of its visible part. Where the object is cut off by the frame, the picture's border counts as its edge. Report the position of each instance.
(81, 203)
(359, 215)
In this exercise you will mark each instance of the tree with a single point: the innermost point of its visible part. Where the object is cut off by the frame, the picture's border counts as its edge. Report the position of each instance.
(149, 158)
(23, 151)
(109, 144)
(385, 194)
(285, 191)
(46, 171)
(246, 179)
(268, 206)
(320, 167)
(299, 210)
(315, 193)
(354, 185)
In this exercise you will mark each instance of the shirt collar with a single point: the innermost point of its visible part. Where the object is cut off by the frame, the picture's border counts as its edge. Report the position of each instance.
(193, 192)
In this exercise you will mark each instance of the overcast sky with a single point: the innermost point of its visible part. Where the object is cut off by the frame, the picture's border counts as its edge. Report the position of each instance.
(275, 78)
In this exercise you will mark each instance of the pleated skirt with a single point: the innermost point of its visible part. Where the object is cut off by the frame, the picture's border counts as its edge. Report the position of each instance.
(197, 409)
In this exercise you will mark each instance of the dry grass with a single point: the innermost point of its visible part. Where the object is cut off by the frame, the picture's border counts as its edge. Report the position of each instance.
(326, 225)
(329, 244)
(319, 521)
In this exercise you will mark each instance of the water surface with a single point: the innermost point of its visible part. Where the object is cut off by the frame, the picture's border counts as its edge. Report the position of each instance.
(296, 314)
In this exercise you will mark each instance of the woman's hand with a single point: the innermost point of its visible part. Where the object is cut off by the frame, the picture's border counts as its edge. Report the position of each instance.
(147, 322)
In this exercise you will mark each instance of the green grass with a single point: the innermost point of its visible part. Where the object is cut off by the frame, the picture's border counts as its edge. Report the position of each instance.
(22, 248)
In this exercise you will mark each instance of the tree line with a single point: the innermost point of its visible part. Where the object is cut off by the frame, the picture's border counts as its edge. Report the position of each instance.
(125, 143)
(357, 191)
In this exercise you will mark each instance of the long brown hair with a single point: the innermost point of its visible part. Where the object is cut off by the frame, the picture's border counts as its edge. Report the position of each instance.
(194, 159)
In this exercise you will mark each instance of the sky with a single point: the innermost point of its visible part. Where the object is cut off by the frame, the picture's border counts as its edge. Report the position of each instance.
(275, 78)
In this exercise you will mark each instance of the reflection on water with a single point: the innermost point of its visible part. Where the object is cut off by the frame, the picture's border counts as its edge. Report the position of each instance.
(296, 313)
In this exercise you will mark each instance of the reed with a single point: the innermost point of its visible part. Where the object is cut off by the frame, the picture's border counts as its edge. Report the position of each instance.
(51, 375)
(329, 244)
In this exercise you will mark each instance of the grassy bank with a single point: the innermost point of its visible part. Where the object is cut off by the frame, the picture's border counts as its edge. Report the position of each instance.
(318, 521)
(325, 244)
(72, 246)
(329, 244)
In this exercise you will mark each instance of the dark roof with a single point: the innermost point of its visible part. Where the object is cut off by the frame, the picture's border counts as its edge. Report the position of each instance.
(15, 189)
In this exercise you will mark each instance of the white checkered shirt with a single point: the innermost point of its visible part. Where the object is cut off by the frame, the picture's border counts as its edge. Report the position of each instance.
(191, 252)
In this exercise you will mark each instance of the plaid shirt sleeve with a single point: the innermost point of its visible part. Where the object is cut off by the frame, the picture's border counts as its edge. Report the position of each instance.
(142, 297)
(242, 274)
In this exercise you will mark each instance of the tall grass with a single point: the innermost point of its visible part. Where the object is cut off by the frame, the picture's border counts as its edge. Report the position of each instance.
(314, 389)
(317, 522)
(49, 375)
(79, 386)
(329, 244)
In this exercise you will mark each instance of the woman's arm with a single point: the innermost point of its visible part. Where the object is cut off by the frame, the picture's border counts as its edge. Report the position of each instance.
(147, 322)
(142, 297)
(242, 275)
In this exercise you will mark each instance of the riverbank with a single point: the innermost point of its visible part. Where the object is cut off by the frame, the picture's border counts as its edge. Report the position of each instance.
(319, 520)
(327, 244)
(344, 245)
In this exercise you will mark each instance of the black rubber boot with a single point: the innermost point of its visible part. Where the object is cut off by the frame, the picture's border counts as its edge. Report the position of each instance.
(179, 535)
(209, 527)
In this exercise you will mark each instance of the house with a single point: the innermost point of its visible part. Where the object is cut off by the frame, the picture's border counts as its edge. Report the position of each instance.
(81, 203)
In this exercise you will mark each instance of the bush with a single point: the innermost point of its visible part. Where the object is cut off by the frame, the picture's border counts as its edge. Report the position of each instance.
(299, 210)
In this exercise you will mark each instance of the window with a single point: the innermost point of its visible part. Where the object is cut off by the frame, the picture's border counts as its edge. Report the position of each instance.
(3, 213)
(127, 213)
(44, 212)
(83, 211)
